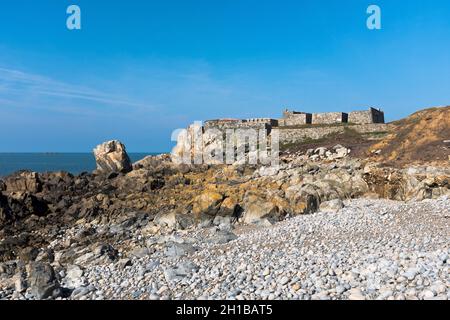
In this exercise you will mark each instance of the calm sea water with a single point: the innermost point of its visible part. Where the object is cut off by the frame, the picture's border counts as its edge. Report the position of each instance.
(43, 162)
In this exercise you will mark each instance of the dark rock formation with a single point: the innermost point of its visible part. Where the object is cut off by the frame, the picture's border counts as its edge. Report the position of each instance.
(5, 210)
(24, 181)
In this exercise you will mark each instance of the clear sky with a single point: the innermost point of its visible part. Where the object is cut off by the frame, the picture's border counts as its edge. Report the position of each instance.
(140, 69)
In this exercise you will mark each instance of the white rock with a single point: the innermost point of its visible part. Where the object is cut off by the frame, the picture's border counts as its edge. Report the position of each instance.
(73, 277)
(332, 205)
(356, 294)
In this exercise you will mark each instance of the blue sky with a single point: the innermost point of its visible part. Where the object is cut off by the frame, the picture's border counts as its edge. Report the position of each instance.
(140, 69)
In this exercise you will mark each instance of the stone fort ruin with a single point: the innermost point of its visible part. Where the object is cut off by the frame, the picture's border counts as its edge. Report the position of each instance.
(293, 127)
(297, 118)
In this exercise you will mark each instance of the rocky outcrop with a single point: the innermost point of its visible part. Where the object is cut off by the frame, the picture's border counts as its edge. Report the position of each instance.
(5, 210)
(24, 204)
(413, 183)
(322, 154)
(19, 205)
(111, 157)
(259, 210)
(207, 203)
(190, 194)
(24, 181)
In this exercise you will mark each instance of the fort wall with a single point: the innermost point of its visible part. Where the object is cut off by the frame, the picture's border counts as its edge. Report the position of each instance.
(370, 116)
(293, 118)
(329, 118)
(316, 126)
(304, 134)
(296, 118)
(257, 124)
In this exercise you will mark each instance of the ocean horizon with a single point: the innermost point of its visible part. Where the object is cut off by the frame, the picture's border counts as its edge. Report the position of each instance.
(75, 163)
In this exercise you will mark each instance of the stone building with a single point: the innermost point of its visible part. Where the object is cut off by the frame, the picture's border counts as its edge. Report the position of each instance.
(295, 118)
(363, 117)
(268, 121)
(329, 118)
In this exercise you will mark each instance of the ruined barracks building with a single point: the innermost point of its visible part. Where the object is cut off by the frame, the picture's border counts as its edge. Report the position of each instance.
(297, 118)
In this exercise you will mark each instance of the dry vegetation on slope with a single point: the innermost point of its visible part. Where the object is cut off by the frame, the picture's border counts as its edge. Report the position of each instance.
(422, 137)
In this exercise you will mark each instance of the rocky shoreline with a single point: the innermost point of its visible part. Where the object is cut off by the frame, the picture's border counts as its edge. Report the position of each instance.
(371, 249)
(158, 230)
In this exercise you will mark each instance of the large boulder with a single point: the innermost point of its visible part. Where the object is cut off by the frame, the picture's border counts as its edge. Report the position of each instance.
(332, 205)
(229, 207)
(304, 199)
(73, 277)
(208, 203)
(174, 220)
(42, 280)
(111, 157)
(259, 210)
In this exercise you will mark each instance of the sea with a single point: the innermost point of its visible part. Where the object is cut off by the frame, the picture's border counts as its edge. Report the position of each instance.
(74, 163)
